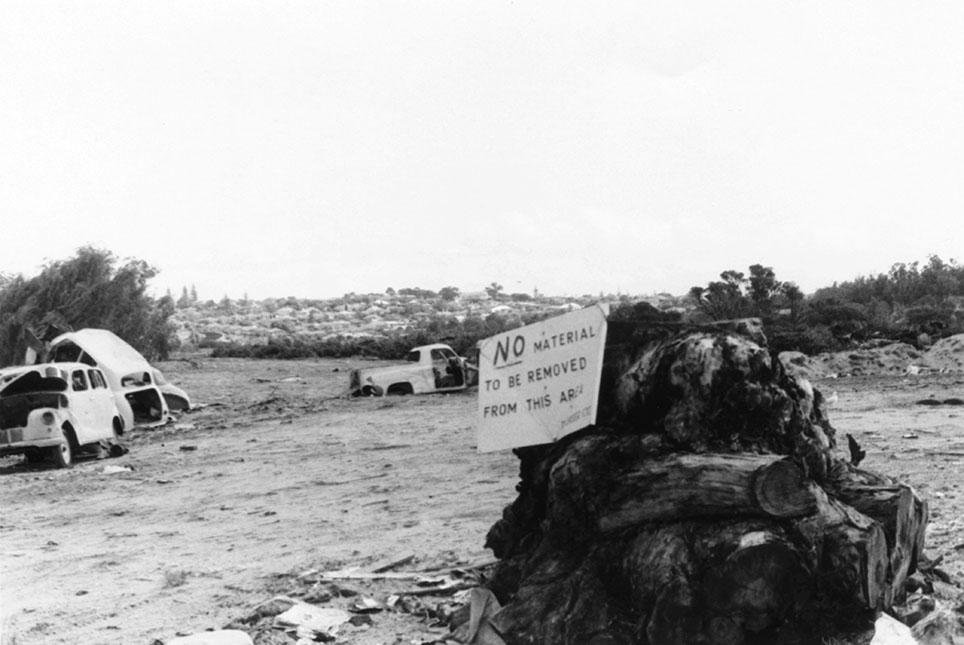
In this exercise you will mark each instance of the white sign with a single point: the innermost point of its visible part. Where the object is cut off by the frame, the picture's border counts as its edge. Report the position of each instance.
(540, 382)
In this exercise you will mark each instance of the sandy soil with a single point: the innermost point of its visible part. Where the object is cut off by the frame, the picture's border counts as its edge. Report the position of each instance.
(278, 475)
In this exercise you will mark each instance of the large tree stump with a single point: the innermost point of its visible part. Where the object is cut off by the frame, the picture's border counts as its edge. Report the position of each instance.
(710, 505)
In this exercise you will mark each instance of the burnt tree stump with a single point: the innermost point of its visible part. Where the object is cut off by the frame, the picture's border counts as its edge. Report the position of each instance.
(709, 505)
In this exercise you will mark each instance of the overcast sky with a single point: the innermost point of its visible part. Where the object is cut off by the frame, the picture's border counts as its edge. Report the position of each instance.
(315, 148)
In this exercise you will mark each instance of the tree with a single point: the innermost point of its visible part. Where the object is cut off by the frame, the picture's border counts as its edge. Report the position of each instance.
(88, 290)
(494, 290)
(735, 296)
(794, 298)
(185, 300)
(763, 287)
(448, 293)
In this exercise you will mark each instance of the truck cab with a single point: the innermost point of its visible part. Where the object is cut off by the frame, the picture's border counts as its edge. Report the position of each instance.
(427, 369)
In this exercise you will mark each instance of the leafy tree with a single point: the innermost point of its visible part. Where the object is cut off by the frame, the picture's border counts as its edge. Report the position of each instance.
(763, 288)
(449, 293)
(494, 290)
(185, 300)
(735, 295)
(794, 298)
(88, 290)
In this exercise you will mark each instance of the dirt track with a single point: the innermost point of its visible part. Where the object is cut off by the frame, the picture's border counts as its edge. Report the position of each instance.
(279, 476)
(279, 480)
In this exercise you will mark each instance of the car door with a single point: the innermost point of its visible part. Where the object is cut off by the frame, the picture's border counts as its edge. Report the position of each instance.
(103, 407)
(81, 405)
(454, 368)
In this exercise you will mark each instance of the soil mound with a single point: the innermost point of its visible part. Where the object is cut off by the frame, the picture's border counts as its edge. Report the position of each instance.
(892, 358)
(946, 355)
(874, 359)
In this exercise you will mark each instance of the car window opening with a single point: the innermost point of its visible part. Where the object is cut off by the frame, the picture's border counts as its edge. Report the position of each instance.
(78, 381)
(146, 405)
(136, 379)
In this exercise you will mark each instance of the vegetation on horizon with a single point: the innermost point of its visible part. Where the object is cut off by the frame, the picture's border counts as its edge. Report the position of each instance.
(913, 303)
(89, 290)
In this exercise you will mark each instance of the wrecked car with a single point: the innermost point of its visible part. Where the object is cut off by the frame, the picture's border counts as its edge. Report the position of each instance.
(429, 368)
(142, 394)
(55, 411)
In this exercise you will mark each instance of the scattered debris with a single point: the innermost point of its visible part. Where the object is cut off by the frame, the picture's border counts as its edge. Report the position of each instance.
(890, 631)
(188, 448)
(366, 605)
(477, 630)
(311, 621)
(388, 565)
(270, 609)
(218, 637)
(914, 608)
(113, 470)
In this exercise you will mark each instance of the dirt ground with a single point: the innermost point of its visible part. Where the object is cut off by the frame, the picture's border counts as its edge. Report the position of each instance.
(277, 475)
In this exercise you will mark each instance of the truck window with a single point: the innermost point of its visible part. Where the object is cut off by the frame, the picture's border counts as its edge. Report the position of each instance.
(448, 353)
(413, 356)
(437, 355)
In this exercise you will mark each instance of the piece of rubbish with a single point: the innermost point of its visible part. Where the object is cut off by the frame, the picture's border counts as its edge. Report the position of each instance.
(890, 631)
(165, 481)
(356, 574)
(909, 435)
(113, 470)
(387, 565)
(271, 608)
(184, 426)
(325, 620)
(447, 588)
(483, 606)
(188, 448)
(217, 637)
(366, 605)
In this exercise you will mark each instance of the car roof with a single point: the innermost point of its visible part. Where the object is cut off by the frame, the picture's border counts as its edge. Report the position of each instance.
(109, 350)
(432, 346)
(67, 366)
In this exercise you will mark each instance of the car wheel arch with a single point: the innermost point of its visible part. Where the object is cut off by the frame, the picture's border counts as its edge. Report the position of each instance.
(402, 388)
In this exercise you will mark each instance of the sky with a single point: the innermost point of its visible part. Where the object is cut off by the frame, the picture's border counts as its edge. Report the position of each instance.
(312, 149)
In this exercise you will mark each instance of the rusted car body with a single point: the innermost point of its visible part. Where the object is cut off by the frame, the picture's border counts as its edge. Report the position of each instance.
(141, 393)
(54, 410)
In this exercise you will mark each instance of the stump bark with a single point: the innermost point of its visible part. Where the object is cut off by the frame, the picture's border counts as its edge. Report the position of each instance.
(710, 505)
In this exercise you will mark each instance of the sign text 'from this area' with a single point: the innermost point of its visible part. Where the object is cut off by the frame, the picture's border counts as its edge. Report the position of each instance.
(540, 382)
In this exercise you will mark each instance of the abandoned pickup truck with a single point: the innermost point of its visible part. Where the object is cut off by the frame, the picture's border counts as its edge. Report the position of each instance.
(429, 368)
(54, 410)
